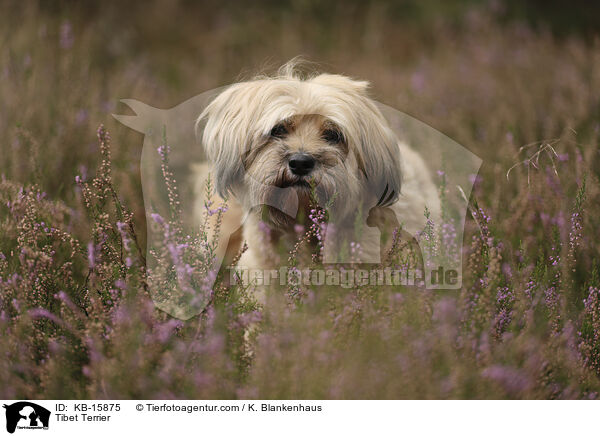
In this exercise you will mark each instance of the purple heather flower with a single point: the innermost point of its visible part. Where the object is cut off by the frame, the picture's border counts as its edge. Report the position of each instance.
(81, 116)
(576, 230)
(91, 255)
(475, 179)
(164, 151)
(40, 312)
(417, 81)
(66, 36)
(158, 219)
(512, 380)
(166, 330)
(211, 212)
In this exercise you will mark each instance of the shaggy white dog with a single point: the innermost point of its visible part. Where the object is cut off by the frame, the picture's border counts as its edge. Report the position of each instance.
(276, 145)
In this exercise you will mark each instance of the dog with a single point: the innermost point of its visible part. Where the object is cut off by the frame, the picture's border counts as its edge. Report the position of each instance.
(276, 145)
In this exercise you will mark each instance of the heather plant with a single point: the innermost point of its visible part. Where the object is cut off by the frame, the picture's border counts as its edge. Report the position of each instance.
(77, 317)
(184, 266)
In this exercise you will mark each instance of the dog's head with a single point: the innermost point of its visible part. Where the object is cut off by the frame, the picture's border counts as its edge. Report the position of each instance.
(293, 132)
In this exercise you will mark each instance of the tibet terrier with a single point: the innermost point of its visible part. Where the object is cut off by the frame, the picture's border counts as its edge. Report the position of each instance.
(280, 147)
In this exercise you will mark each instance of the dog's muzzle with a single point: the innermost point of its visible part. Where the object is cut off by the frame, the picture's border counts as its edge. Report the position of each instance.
(301, 164)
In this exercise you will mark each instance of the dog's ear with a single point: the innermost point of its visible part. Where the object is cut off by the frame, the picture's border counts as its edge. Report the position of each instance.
(375, 145)
(381, 161)
(342, 83)
(225, 125)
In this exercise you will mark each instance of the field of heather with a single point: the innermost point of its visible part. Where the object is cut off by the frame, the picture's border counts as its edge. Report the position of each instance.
(516, 85)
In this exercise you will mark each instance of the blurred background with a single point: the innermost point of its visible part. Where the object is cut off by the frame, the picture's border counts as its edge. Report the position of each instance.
(503, 78)
(490, 74)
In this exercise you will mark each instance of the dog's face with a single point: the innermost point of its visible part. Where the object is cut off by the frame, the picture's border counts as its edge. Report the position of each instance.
(323, 134)
(301, 153)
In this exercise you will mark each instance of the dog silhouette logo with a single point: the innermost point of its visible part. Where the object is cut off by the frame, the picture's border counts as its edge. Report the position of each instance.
(26, 415)
(447, 169)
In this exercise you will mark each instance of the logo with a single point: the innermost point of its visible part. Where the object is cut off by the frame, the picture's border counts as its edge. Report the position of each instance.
(26, 415)
(172, 140)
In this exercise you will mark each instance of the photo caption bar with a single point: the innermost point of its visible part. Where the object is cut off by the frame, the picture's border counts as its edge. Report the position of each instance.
(159, 417)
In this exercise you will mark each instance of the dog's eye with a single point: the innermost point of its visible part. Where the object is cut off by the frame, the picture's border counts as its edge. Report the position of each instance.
(279, 131)
(332, 136)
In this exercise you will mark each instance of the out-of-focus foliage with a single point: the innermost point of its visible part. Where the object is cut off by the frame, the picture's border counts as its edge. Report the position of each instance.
(75, 318)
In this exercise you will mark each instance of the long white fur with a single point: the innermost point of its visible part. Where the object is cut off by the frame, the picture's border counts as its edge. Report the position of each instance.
(244, 114)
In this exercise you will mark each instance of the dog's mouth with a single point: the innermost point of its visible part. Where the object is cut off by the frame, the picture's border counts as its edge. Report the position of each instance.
(294, 193)
(301, 183)
(287, 192)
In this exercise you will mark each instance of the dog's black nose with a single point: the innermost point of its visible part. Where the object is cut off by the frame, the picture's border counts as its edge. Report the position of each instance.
(301, 163)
